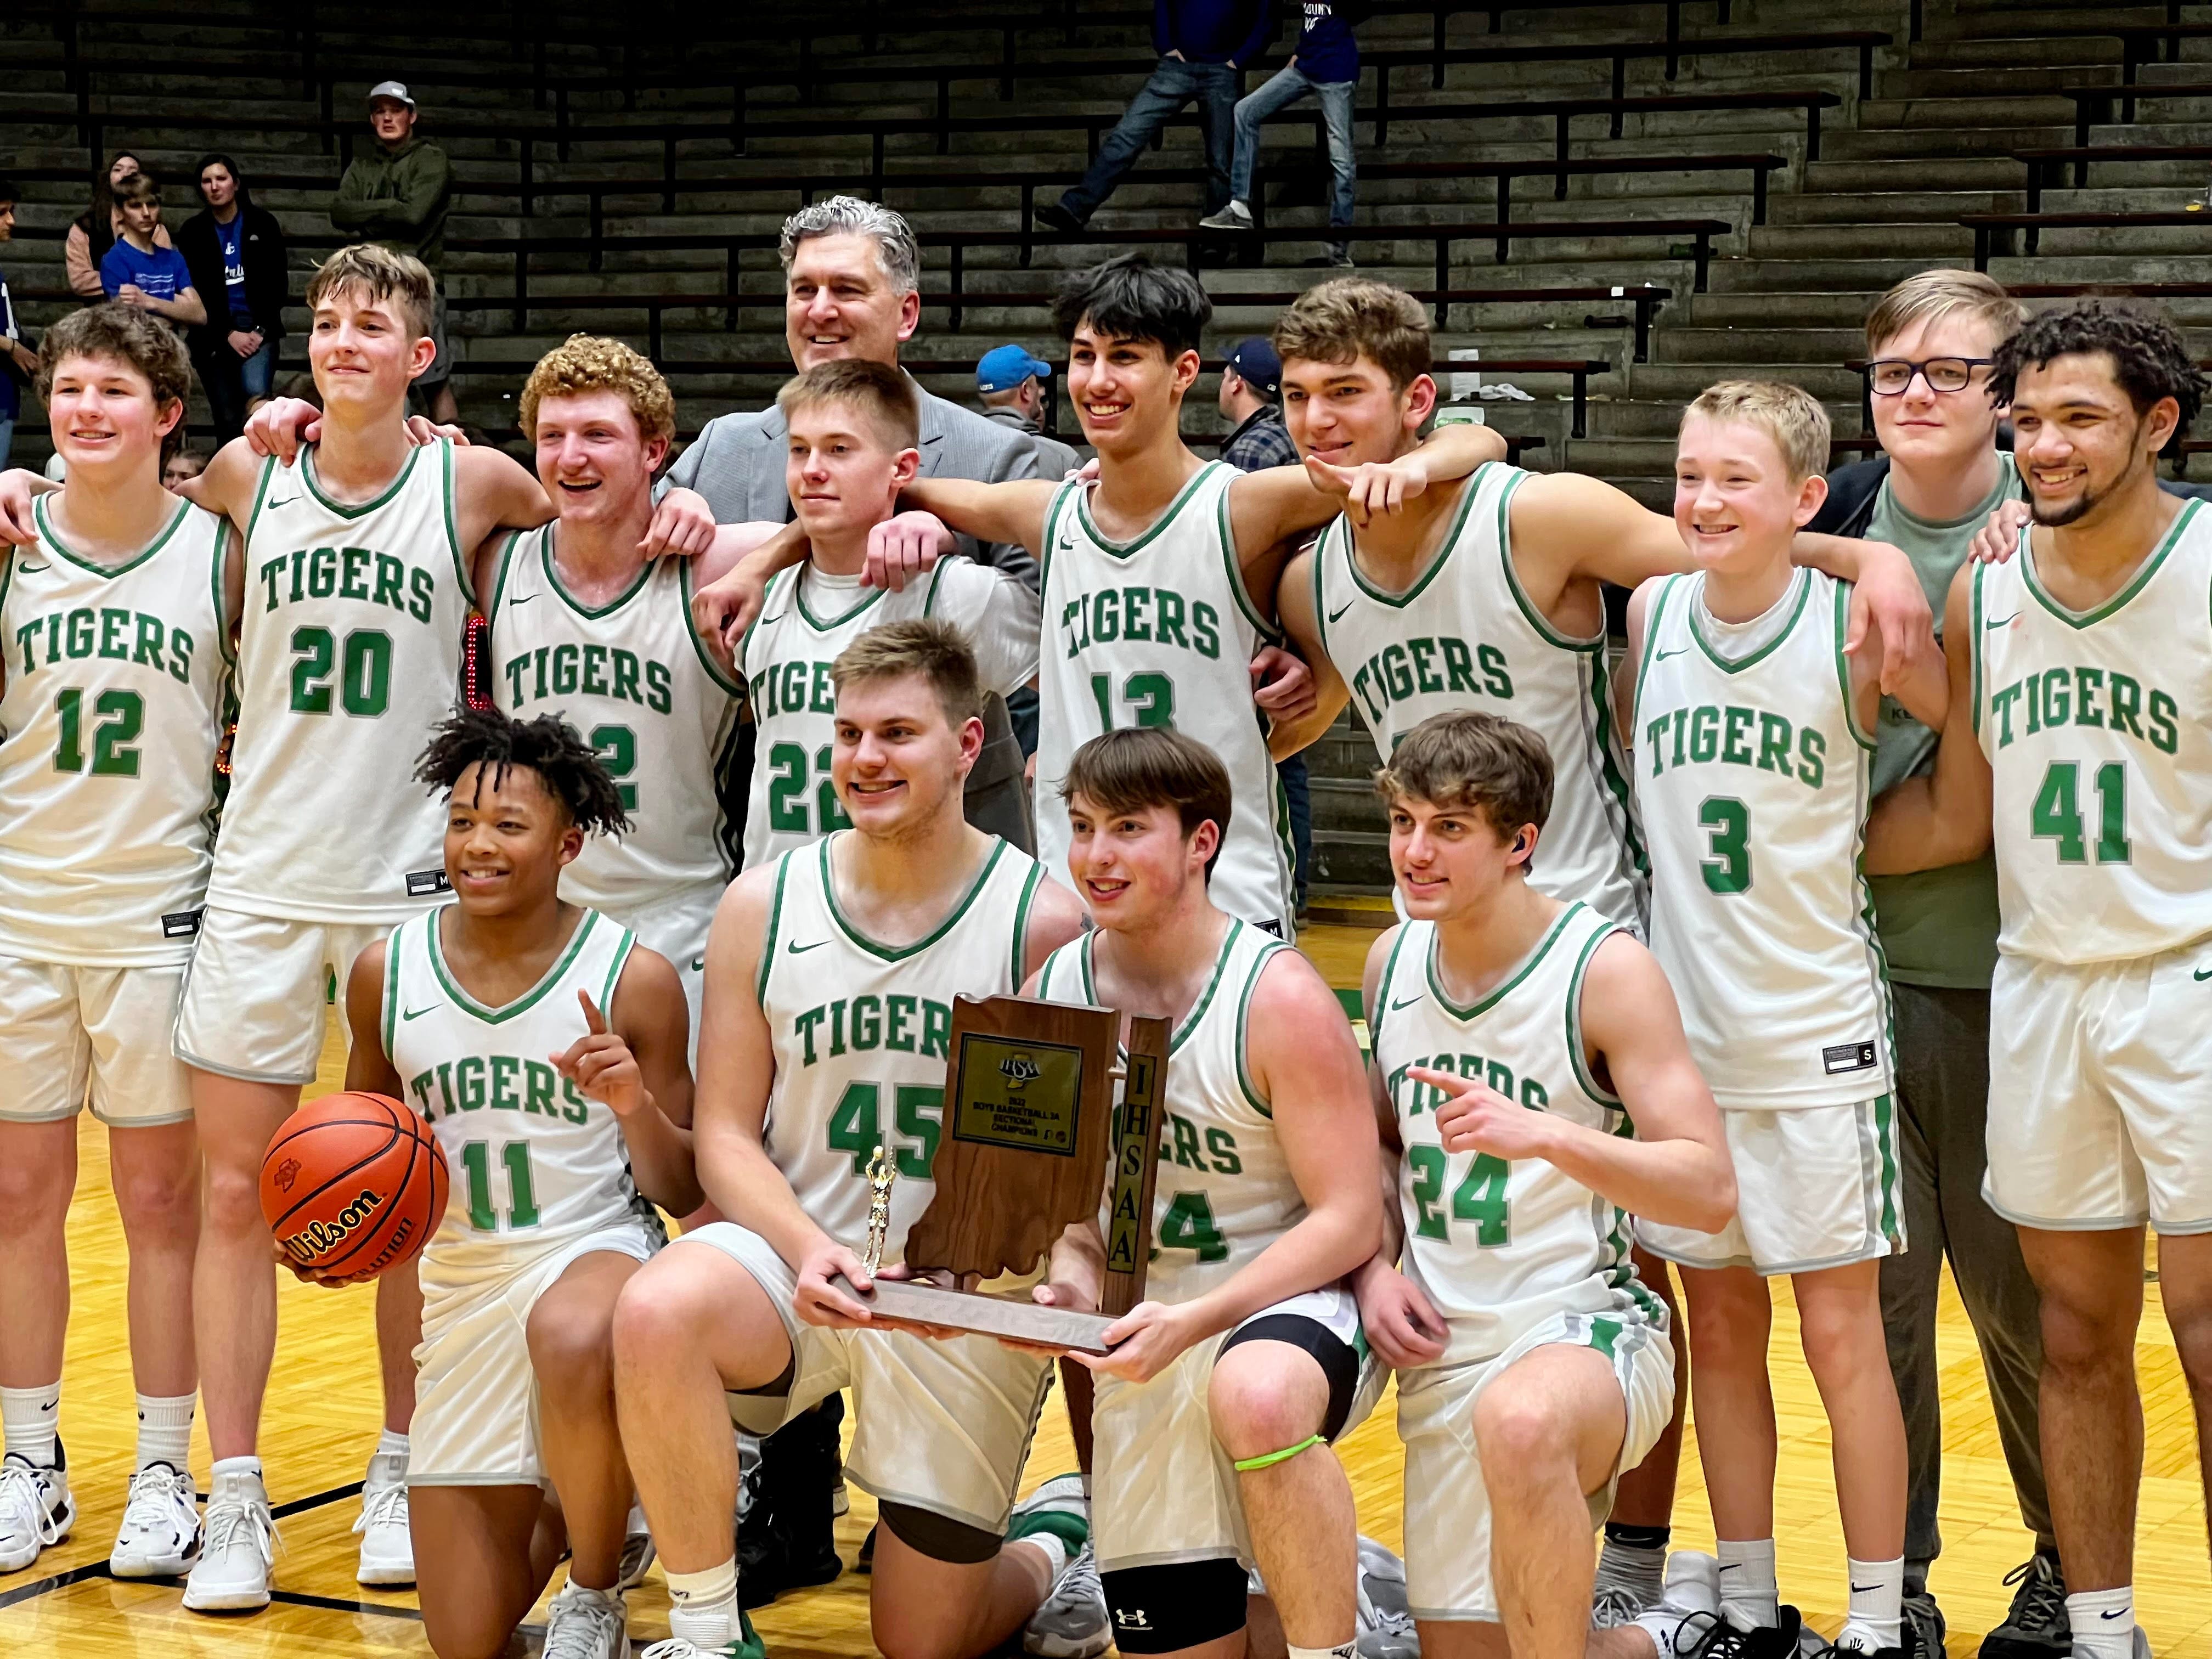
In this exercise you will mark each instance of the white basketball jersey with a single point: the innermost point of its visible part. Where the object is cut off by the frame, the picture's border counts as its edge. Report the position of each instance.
(2098, 728)
(111, 715)
(1753, 778)
(1499, 1247)
(535, 1163)
(860, 1032)
(634, 677)
(806, 620)
(1159, 631)
(1225, 1192)
(1466, 637)
(350, 651)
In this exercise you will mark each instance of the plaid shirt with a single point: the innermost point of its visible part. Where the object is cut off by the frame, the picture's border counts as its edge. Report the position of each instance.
(1261, 441)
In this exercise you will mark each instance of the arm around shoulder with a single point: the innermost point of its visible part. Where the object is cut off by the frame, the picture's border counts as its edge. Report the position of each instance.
(1941, 817)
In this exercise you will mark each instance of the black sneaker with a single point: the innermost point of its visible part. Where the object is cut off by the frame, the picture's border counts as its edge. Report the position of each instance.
(2035, 1626)
(788, 1541)
(1053, 216)
(1924, 1622)
(1709, 1636)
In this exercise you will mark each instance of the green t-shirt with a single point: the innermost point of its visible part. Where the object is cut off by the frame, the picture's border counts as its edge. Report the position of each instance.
(1939, 926)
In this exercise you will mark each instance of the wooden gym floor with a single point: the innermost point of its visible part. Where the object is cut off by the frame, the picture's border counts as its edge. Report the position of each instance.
(324, 1412)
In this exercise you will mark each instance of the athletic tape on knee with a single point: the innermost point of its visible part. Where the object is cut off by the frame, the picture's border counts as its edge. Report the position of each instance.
(1268, 1460)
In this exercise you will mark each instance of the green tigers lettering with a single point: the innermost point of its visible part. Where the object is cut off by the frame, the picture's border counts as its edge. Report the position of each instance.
(109, 631)
(1145, 615)
(1413, 1098)
(906, 1023)
(1733, 735)
(500, 1082)
(597, 670)
(2081, 695)
(1180, 1147)
(1426, 665)
(348, 573)
(796, 687)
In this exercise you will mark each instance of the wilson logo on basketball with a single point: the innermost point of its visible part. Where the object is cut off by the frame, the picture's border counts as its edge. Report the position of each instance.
(287, 1173)
(319, 1238)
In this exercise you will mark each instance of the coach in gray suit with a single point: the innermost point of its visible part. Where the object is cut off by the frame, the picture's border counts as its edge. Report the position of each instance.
(852, 288)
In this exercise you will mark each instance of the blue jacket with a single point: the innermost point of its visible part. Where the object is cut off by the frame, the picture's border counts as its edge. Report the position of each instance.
(1326, 50)
(1213, 31)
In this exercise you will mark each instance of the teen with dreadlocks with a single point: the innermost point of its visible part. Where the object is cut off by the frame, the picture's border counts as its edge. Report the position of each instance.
(546, 1049)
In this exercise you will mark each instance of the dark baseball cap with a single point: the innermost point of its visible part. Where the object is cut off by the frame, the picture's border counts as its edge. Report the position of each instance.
(1255, 362)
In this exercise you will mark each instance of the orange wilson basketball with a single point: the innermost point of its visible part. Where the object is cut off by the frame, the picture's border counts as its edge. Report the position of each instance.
(353, 1184)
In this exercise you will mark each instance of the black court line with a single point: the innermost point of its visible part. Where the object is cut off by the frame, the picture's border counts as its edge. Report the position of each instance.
(340, 1604)
(93, 1570)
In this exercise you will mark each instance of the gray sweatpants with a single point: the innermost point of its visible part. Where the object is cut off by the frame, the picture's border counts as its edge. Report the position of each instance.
(1942, 1094)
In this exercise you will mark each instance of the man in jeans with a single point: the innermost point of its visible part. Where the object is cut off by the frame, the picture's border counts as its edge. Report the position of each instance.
(1202, 44)
(1937, 480)
(1325, 64)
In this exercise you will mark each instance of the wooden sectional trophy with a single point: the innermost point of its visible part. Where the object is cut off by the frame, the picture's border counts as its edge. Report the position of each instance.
(1029, 1135)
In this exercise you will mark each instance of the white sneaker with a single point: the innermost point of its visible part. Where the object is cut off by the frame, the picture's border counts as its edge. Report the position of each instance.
(36, 1509)
(1386, 1621)
(160, 1537)
(586, 1623)
(638, 1551)
(387, 1547)
(232, 1571)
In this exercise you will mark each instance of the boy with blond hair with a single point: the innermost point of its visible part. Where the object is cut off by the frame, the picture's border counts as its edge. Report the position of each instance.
(1753, 740)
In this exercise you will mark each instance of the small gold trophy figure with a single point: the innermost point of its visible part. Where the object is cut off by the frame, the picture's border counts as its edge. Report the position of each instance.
(882, 1172)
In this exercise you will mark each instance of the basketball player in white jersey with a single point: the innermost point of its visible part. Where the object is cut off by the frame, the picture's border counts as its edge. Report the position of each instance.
(1753, 738)
(114, 661)
(1158, 584)
(1515, 1036)
(830, 978)
(513, 1001)
(854, 427)
(1216, 1409)
(2081, 706)
(584, 624)
(1484, 593)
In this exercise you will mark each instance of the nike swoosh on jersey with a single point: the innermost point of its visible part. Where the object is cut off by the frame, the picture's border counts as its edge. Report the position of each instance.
(698, 964)
(32, 569)
(778, 617)
(1407, 1003)
(796, 949)
(1348, 603)
(522, 598)
(287, 501)
(1676, 652)
(2203, 974)
(412, 1014)
(2000, 622)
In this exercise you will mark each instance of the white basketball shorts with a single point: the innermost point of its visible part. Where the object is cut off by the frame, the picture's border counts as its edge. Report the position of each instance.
(2100, 1093)
(255, 993)
(72, 1037)
(1816, 1186)
(942, 1425)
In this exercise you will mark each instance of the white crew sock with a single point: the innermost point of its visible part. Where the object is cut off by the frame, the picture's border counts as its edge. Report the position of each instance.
(237, 1479)
(2104, 1622)
(165, 1430)
(389, 1444)
(1749, 1600)
(1876, 1616)
(26, 1418)
(1053, 1548)
(1638, 1568)
(703, 1606)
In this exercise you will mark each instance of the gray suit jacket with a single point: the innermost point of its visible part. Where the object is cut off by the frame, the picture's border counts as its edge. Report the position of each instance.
(1057, 459)
(737, 464)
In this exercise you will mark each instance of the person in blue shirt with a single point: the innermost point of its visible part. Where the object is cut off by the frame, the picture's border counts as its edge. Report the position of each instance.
(15, 358)
(1202, 44)
(138, 271)
(1325, 64)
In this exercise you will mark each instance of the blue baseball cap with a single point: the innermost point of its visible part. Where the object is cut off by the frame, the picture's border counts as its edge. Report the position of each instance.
(1004, 368)
(1257, 365)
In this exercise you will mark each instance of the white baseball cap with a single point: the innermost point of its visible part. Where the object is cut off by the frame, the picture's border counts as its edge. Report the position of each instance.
(392, 89)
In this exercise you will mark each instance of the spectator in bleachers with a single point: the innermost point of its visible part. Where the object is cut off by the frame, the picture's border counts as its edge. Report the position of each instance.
(397, 196)
(1202, 44)
(235, 252)
(20, 362)
(142, 270)
(1325, 64)
(1251, 401)
(1011, 384)
(92, 232)
(182, 465)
